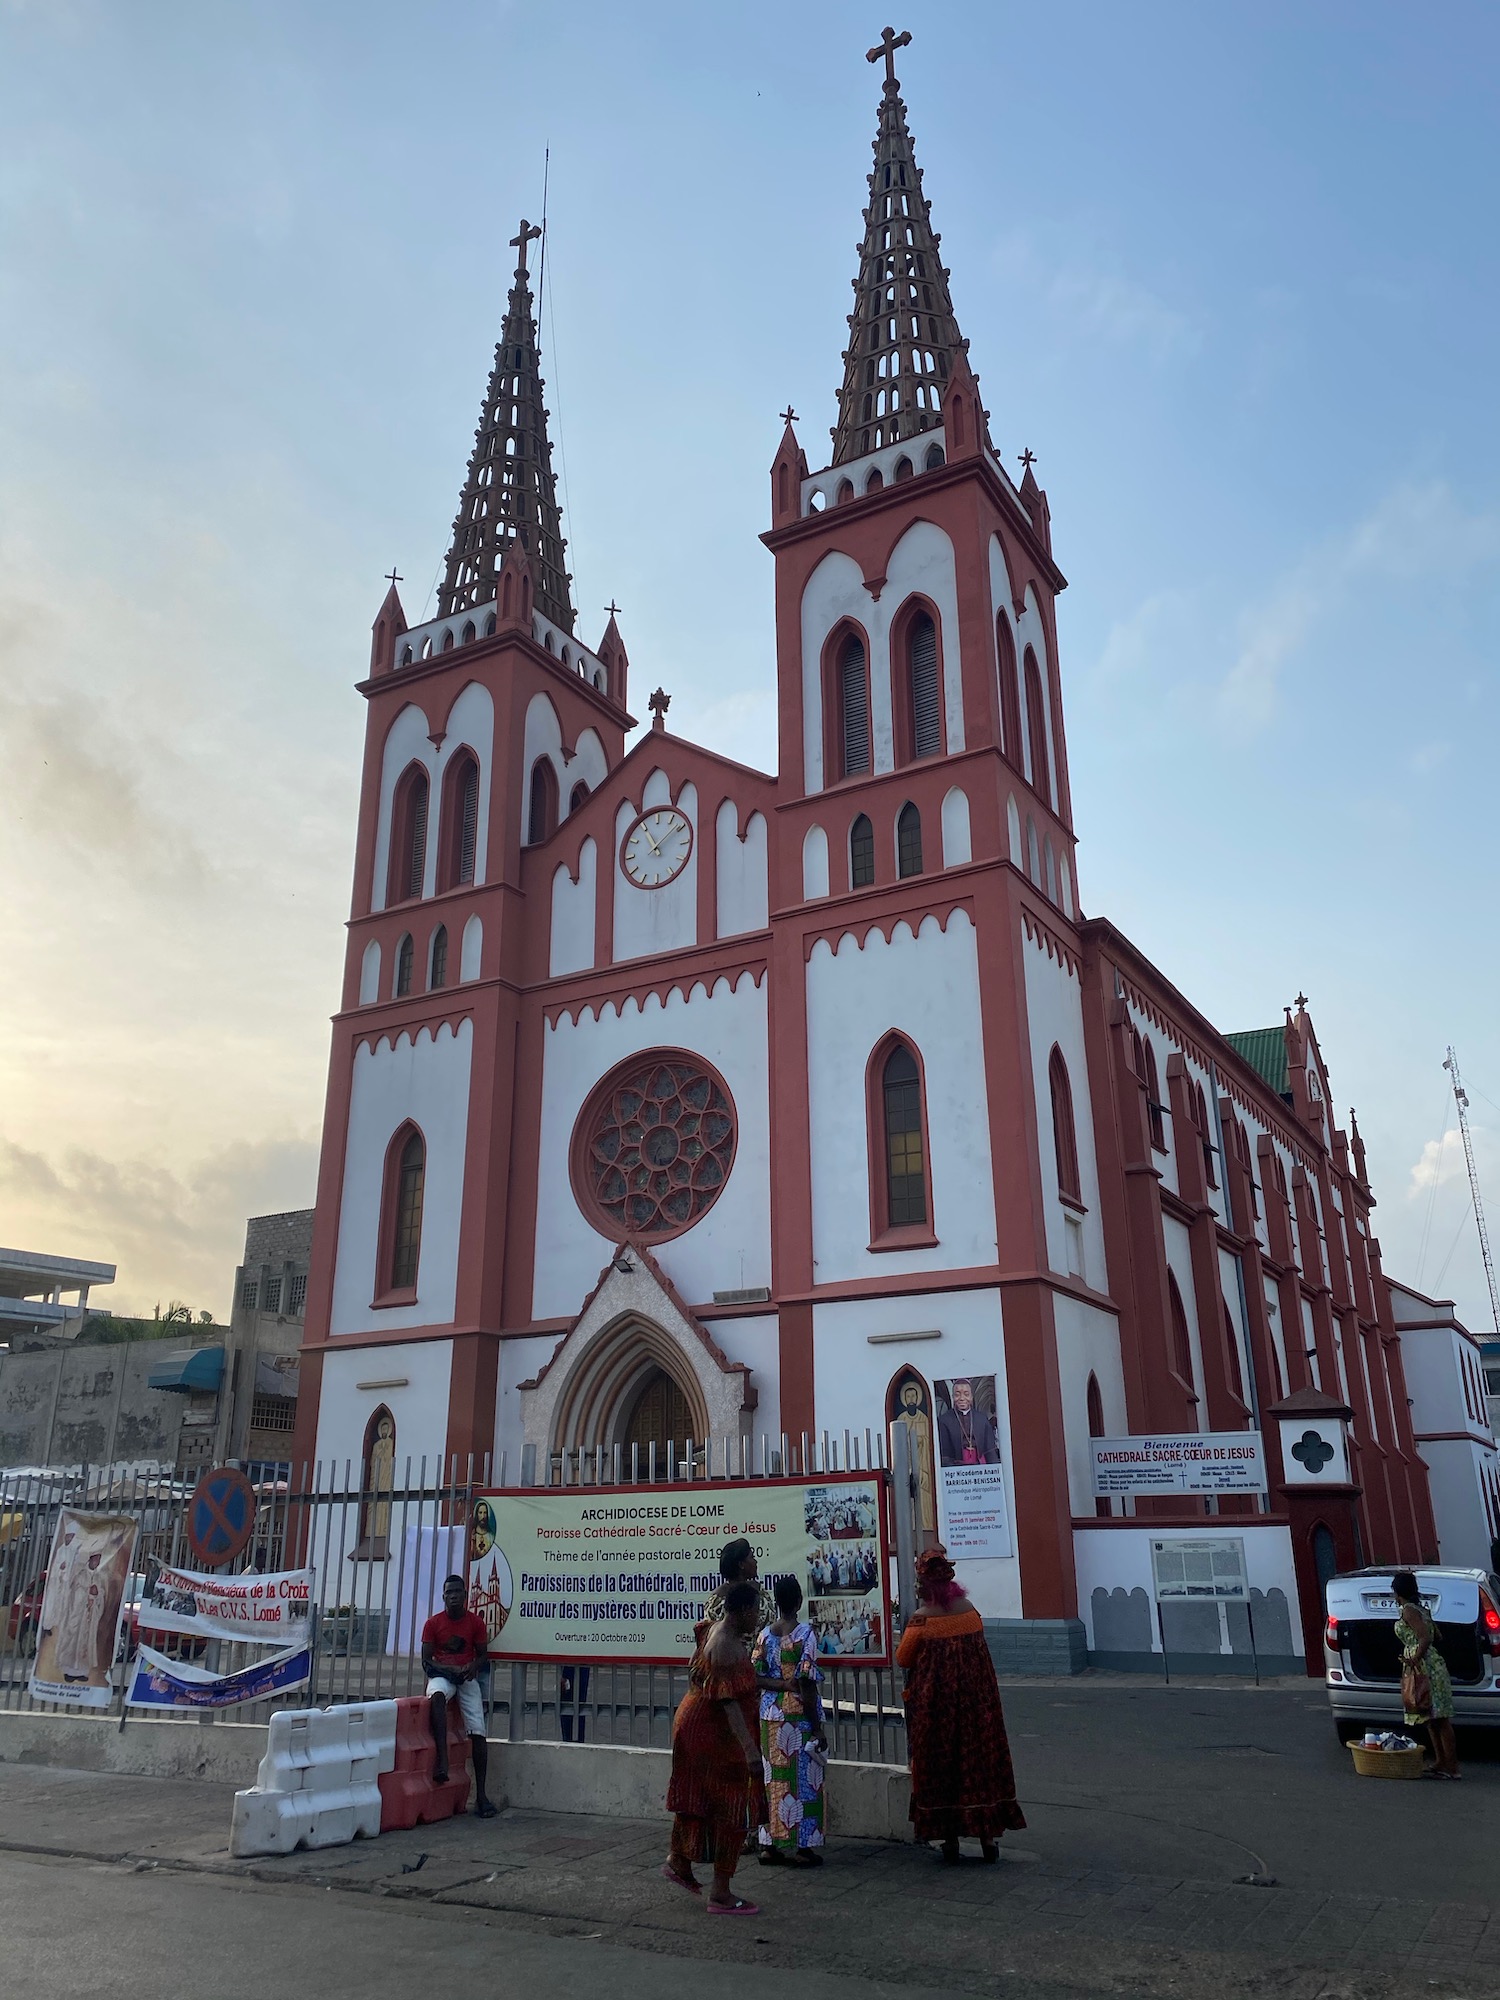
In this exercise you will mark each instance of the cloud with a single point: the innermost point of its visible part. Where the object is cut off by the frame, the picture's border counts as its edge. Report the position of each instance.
(173, 1233)
(1442, 1161)
(1120, 310)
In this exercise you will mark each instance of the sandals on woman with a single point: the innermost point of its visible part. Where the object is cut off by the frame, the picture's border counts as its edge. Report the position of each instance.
(670, 1874)
(738, 1908)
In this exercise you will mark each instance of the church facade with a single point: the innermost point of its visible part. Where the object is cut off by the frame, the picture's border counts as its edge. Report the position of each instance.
(670, 1099)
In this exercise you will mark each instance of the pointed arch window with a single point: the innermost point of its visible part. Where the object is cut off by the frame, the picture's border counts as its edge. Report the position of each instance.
(1064, 1132)
(852, 707)
(437, 975)
(1094, 1404)
(1036, 729)
(909, 841)
(903, 1149)
(1232, 1354)
(541, 808)
(1205, 1134)
(459, 841)
(405, 955)
(402, 1200)
(579, 793)
(1182, 1342)
(861, 853)
(925, 718)
(1010, 693)
(1154, 1106)
(408, 863)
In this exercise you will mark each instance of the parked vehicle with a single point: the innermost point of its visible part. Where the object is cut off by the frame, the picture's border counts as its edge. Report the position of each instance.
(25, 1615)
(24, 1624)
(1362, 1655)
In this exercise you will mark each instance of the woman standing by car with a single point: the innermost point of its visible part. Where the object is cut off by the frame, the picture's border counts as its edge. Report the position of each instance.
(1426, 1689)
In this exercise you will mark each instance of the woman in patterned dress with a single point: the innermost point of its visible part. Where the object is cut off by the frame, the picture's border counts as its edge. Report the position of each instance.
(792, 1740)
(961, 1778)
(1417, 1633)
(716, 1789)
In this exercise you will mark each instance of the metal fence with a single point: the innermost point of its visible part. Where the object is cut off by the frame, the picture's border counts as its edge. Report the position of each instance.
(379, 1554)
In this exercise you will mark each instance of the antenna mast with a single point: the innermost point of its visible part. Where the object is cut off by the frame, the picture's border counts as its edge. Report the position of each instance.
(1461, 1099)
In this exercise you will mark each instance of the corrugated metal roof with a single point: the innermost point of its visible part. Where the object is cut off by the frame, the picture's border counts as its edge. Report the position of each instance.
(1265, 1051)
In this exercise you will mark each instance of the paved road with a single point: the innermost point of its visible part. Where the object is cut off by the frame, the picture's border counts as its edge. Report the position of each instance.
(1147, 1808)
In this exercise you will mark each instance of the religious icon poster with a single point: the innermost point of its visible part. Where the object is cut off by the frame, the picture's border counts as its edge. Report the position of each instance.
(82, 1604)
(971, 1477)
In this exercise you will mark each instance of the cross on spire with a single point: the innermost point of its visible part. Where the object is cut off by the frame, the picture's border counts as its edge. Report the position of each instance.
(1027, 459)
(612, 608)
(391, 576)
(789, 415)
(658, 705)
(1301, 1001)
(529, 232)
(887, 46)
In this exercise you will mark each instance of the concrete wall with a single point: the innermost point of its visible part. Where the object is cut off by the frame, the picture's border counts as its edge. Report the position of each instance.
(65, 1406)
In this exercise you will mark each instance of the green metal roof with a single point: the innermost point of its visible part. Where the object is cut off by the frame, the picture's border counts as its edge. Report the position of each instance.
(1265, 1051)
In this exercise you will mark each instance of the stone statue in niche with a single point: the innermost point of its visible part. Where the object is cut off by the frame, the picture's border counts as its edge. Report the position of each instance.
(908, 1401)
(379, 1483)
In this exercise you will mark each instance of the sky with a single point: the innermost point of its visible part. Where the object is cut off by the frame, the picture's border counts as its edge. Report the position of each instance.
(1229, 271)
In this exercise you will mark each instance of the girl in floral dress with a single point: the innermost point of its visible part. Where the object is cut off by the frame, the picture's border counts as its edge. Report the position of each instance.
(792, 1741)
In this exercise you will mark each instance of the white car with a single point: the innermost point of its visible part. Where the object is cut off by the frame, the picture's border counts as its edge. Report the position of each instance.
(1362, 1655)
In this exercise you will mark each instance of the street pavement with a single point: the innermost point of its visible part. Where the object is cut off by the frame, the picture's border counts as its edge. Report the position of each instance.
(1181, 1840)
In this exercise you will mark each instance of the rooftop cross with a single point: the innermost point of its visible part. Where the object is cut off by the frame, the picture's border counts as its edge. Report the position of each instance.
(1027, 459)
(529, 231)
(612, 608)
(887, 46)
(789, 415)
(391, 575)
(1301, 1000)
(658, 705)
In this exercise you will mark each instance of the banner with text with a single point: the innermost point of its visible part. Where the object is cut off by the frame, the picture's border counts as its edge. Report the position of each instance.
(622, 1573)
(83, 1604)
(271, 1610)
(1194, 1462)
(158, 1682)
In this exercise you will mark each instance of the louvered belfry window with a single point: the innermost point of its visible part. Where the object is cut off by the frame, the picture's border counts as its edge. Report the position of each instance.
(468, 831)
(926, 715)
(854, 707)
(417, 850)
(861, 853)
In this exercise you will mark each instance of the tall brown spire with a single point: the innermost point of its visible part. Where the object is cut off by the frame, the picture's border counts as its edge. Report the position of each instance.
(510, 489)
(903, 338)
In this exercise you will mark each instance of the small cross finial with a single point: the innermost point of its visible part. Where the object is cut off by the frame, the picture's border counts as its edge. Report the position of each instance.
(1027, 459)
(612, 608)
(789, 415)
(1301, 1001)
(887, 46)
(658, 705)
(529, 232)
(392, 577)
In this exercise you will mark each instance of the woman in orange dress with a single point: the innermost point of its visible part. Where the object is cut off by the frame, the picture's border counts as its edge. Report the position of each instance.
(961, 1778)
(717, 1789)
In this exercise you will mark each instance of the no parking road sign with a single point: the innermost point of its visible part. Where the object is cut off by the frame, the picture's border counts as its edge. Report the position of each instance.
(221, 1516)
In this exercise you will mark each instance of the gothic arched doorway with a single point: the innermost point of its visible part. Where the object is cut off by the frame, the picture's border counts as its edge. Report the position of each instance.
(659, 1414)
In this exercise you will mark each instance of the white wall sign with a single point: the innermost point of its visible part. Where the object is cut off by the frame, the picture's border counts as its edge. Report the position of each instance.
(1210, 1568)
(975, 1519)
(1194, 1462)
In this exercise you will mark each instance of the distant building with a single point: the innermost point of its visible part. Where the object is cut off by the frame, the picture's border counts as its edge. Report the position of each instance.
(44, 1299)
(1451, 1416)
(265, 1339)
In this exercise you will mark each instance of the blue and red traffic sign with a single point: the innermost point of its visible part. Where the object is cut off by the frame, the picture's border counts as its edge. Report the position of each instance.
(221, 1516)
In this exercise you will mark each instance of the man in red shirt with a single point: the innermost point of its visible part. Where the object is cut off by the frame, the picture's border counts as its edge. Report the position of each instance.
(455, 1652)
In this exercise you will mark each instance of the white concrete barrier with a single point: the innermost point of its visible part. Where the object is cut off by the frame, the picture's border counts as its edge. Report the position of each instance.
(318, 1783)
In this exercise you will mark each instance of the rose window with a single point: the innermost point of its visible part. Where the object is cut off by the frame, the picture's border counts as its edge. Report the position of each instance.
(654, 1145)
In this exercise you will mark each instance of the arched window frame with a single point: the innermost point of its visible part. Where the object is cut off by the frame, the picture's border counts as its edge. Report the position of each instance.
(834, 746)
(437, 960)
(903, 687)
(578, 796)
(398, 1258)
(1205, 1134)
(1036, 728)
(909, 861)
(1233, 1361)
(541, 802)
(401, 977)
(1094, 1406)
(1180, 1347)
(1155, 1108)
(1010, 694)
(458, 832)
(862, 870)
(406, 870)
(1064, 1130)
(885, 1234)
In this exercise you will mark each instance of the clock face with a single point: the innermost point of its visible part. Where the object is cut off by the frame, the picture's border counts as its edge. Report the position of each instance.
(655, 850)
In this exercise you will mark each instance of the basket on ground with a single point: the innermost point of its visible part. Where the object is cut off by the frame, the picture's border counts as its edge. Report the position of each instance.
(1387, 1763)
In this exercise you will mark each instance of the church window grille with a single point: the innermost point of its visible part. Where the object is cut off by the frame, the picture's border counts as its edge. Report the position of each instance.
(1064, 1130)
(909, 841)
(654, 1145)
(905, 1162)
(249, 1294)
(297, 1297)
(861, 853)
(408, 865)
(439, 973)
(406, 1235)
(854, 708)
(541, 814)
(273, 1295)
(922, 668)
(468, 832)
(404, 956)
(1036, 729)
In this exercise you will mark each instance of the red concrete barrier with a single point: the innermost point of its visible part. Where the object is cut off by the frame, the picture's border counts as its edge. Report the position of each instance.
(409, 1796)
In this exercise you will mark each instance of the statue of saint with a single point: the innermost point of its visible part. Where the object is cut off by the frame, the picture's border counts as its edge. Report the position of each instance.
(914, 1415)
(381, 1480)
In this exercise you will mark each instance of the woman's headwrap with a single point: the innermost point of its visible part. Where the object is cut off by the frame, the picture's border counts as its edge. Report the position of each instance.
(935, 1574)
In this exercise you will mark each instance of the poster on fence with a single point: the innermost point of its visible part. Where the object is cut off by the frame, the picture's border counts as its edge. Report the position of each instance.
(271, 1610)
(158, 1682)
(973, 1509)
(82, 1603)
(622, 1573)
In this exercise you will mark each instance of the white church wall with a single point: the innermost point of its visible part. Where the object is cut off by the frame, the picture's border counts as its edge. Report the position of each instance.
(648, 921)
(755, 1340)
(814, 863)
(741, 891)
(427, 1082)
(472, 951)
(957, 843)
(927, 987)
(1054, 1012)
(520, 1361)
(1013, 832)
(543, 738)
(588, 763)
(851, 1376)
(1088, 1343)
(1180, 1263)
(573, 914)
(411, 1379)
(730, 1248)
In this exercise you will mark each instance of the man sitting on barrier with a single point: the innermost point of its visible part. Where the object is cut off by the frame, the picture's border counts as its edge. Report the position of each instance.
(455, 1654)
